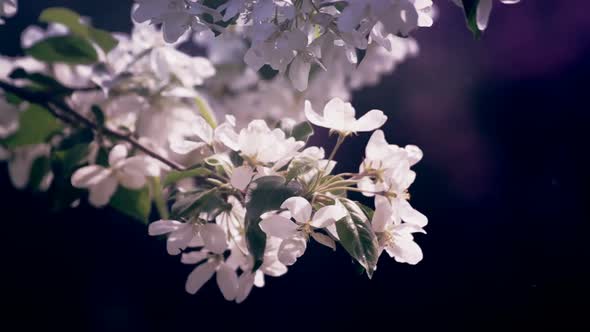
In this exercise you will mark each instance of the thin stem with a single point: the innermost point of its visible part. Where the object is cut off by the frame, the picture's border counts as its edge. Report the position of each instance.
(337, 184)
(46, 101)
(158, 196)
(356, 190)
(321, 173)
(341, 139)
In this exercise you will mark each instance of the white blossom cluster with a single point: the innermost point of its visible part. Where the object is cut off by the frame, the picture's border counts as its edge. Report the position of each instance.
(217, 140)
(219, 247)
(148, 88)
(301, 36)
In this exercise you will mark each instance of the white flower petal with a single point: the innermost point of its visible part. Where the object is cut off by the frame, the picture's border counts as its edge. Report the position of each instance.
(199, 276)
(484, 9)
(88, 176)
(259, 277)
(241, 177)
(161, 227)
(377, 147)
(118, 153)
(299, 73)
(299, 207)
(415, 154)
(405, 251)
(246, 281)
(410, 215)
(314, 117)
(183, 146)
(227, 280)
(132, 180)
(278, 226)
(291, 249)
(180, 239)
(194, 257)
(371, 121)
(214, 238)
(333, 231)
(383, 215)
(101, 192)
(328, 215)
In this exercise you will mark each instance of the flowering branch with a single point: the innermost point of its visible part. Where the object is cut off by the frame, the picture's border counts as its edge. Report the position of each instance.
(236, 198)
(51, 104)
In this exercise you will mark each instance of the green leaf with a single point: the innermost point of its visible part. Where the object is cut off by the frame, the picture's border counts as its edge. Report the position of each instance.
(41, 166)
(73, 22)
(98, 115)
(41, 82)
(366, 210)
(36, 125)
(175, 176)
(78, 137)
(67, 49)
(159, 198)
(302, 131)
(133, 203)
(357, 237)
(103, 39)
(191, 205)
(265, 194)
(236, 159)
(299, 167)
(205, 111)
(71, 158)
(64, 162)
(470, 11)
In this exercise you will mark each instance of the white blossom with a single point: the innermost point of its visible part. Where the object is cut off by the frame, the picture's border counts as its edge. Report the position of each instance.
(180, 235)
(295, 234)
(102, 182)
(340, 116)
(176, 16)
(395, 237)
(260, 144)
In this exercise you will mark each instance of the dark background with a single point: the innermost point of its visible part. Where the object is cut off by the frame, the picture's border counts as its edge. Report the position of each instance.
(503, 123)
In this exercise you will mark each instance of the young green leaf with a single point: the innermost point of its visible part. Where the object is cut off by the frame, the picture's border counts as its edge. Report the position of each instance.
(67, 49)
(366, 210)
(98, 115)
(133, 203)
(74, 23)
(41, 167)
(264, 194)
(71, 158)
(191, 205)
(175, 176)
(357, 237)
(470, 10)
(299, 167)
(103, 39)
(41, 82)
(302, 131)
(36, 125)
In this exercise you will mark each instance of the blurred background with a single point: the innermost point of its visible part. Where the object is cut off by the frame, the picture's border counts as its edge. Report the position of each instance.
(503, 122)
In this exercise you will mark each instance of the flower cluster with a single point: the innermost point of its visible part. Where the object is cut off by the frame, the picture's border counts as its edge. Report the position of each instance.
(127, 121)
(296, 36)
(279, 195)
